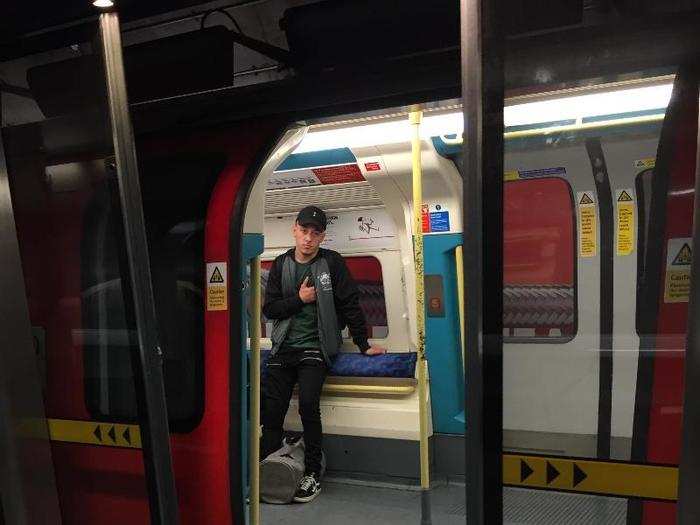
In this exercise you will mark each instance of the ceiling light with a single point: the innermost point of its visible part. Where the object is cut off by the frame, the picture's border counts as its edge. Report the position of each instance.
(103, 4)
(614, 103)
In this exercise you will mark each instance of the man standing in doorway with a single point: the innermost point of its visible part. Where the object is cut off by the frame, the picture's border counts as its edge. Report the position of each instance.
(310, 297)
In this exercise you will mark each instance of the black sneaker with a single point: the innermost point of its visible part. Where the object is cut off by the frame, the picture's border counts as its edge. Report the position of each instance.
(308, 489)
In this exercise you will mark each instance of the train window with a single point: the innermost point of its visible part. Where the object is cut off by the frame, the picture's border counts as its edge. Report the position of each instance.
(367, 272)
(539, 302)
(175, 230)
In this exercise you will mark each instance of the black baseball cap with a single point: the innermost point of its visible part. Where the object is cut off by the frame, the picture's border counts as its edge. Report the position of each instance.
(312, 216)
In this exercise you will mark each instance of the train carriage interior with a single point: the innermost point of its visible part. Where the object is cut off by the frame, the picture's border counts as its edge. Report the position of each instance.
(549, 164)
(592, 246)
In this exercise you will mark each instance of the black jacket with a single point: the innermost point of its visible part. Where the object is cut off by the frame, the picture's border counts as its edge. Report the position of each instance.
(345, 294)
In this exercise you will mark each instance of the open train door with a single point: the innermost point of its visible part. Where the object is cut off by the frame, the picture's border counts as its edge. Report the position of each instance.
(76, 270)
(227, 253)
(663, 289)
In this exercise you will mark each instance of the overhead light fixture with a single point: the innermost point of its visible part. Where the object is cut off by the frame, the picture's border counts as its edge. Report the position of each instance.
(371, 134)
(602, 103)
(617, 102)
(103, 4)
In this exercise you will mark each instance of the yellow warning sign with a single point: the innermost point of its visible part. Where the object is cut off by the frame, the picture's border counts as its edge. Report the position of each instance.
(586, 199)
(94, 433)
(625, 221)
(588, 224)
(684, 256)
(624, 196)
(217, 292)
(614, 478)
(679, 256)
(511, 175)
(216, 277)
(645, 164)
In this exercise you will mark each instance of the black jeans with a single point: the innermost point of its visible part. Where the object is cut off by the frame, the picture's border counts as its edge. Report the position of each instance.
(283, 371)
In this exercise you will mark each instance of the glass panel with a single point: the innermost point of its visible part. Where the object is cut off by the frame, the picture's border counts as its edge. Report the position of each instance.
(175, 229)
(69, 225)
(592, 419)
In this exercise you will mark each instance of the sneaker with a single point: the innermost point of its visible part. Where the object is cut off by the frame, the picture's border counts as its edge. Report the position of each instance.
(308, 489)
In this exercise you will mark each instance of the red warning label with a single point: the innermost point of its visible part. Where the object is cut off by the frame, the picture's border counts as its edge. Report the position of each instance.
(372, 166)
(425, 217)
(339, 174)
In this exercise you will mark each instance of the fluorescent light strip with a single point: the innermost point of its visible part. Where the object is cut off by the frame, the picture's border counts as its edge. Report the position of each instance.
(529, 113)
(592, 105)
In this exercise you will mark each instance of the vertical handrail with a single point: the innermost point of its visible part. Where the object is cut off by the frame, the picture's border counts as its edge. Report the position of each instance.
(255, 320)
(459, 267)
(415, 118)
(148, 363)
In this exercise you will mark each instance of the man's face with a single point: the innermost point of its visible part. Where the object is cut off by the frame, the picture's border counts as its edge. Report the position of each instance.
(307, 238)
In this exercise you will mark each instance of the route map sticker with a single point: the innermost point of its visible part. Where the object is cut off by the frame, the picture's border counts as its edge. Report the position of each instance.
(509, 175)
(216, 286)
(587, 224)
(625, 221)
(679, 255)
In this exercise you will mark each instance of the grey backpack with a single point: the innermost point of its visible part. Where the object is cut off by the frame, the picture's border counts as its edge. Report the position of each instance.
(281, 472)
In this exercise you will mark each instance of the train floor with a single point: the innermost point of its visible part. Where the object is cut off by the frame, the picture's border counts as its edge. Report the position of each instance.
(349, 502)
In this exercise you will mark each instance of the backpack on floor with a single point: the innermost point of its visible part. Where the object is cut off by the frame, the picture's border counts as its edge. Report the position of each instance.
(281, 472)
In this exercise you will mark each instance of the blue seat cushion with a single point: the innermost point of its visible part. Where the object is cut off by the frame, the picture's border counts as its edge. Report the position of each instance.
(399, 364)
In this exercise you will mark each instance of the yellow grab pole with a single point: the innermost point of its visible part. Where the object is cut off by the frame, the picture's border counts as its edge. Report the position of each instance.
(255, 391)
(459, 262)
(415, 120)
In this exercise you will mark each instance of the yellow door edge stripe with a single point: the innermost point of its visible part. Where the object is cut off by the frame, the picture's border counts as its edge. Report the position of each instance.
(95, 433)
(612, 478)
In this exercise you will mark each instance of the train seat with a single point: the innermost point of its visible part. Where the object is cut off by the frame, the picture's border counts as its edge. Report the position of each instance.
(389, 374)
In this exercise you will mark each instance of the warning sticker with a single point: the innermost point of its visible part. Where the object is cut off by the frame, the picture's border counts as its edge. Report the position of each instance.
(645, 164)
(425, 218)
(587, 224)
(625, 221)
(435, 218)
(216, 286)
(679, 255)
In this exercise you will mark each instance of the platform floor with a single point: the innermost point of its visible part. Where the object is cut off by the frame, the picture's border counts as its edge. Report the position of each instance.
(354, 503)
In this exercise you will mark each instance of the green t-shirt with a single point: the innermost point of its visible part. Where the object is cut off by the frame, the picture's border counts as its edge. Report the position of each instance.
(303, 329)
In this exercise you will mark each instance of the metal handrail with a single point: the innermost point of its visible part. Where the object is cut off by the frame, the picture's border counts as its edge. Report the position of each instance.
(414, 119)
